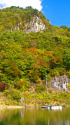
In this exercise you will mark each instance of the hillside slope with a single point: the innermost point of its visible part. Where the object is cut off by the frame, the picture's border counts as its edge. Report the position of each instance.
(26, 57)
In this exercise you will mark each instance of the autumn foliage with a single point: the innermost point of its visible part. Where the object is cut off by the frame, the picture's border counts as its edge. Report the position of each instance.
(31, 56)
(2, 86)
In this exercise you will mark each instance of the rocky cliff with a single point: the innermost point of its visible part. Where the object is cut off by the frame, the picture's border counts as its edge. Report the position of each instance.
(60, 83)
(35, 25)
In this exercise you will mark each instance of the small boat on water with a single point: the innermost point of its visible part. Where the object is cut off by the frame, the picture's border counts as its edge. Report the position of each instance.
(53, 107)
(45, 106)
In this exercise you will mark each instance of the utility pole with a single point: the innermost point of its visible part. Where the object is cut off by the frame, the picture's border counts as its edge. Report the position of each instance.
(46, 82)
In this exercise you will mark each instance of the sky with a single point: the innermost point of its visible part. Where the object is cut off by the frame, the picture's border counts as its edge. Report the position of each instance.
(57, 11)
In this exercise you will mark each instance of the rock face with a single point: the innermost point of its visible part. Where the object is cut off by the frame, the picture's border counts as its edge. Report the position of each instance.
(60, 83)
(35, 25)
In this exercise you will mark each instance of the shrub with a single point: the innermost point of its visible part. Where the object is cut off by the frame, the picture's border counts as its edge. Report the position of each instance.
(68, 85)
(13, 94)
(16, 94)
(23, 83)
(68, 73)
(40, 88)
(18, 84)
(2, 86)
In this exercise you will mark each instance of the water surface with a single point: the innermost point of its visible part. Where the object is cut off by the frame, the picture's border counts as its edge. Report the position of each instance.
(34, 117)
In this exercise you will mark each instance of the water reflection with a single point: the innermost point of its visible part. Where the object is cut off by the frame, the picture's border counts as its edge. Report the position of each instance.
(22, 113)
(64, 123)
(34, 117)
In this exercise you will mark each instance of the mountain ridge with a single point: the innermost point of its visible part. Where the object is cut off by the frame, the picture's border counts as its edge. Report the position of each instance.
(23, 19)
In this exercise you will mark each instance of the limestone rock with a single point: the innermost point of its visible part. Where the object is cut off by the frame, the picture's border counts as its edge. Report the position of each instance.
(60, 83)
(35, 25)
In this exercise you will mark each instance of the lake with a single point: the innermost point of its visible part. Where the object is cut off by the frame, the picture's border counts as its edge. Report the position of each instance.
(34, 116)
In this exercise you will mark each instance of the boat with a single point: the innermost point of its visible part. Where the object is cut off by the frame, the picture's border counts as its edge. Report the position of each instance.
(53, 107)
(45, 106)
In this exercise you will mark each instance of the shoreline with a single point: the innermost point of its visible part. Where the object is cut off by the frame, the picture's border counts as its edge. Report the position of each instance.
(16, 107)
(22, 107)
(11, 107)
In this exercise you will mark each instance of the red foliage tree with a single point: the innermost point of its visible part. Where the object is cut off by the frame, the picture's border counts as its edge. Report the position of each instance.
(2, 86)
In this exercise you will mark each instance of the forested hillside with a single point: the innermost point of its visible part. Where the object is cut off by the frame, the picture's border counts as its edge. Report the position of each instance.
(26, 58)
